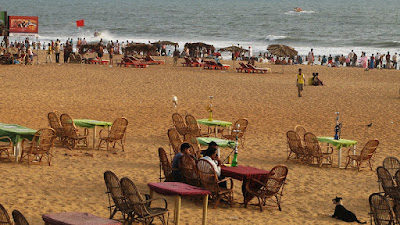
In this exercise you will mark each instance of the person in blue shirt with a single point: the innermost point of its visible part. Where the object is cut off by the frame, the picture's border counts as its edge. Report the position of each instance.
(176, 173)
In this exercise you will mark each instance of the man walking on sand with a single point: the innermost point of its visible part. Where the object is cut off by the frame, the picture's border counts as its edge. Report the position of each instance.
(311, 58)
(300, 82)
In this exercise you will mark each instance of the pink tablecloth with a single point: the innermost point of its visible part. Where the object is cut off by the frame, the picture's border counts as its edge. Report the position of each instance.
(76, 218)
(242, 172)
(177, 188)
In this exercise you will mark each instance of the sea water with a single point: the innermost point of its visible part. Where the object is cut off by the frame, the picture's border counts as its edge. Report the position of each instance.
(329, 27)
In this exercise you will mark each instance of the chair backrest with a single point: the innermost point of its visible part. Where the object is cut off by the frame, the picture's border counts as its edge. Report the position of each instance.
(294, 142)
(114, 190)
(179, 123)
(397, 179)
(118, 128)
(192, 140)
(187, 60)
(192, 124)
(68, 125)
(381, 210)
(174, 139)
(54, 122)
(300, 130)
(312, 144)
(386, 181)
(43, 140)
(243, 65)
(4, 217)
(19, 219)
(133, 197)
(251, 66)
(208, 176)
(369, 149)
(188, 168)
(276, 178)
(165, 163)
(239, 127)
(392, 164)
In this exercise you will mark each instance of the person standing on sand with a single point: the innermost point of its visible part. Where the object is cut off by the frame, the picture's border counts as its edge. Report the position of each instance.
(111, 52)
(311, 58)
(100, 53)
(49, 52)
(388, 61)
(371, 62)
(57, 52)
(394, 60)
(300, 82)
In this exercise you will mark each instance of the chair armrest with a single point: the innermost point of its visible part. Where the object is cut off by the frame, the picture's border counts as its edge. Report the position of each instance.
(248, 189)
(226, 179)
(23, 143)
(350, 150)
(101, 131)
(151, 200)
(10, 143)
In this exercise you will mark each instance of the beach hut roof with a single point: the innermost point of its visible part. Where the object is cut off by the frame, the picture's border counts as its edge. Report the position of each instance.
(233, 49)
(282, 50)
(159, 43)
(199, 45)
(140, 47)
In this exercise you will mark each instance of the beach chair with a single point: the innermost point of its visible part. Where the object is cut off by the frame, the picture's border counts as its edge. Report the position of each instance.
(174, 140)
(365, 155)
(165, 166)
(55, 124)
(151, 61)
(397, 178)
(272, 188)
(115, 193)
(381, 211)
(209, 180)
(19, 219)
(141, 206)
(295, 146)
(4, 217)
(187, 62)
(257, 69)
(6, 146)
(392, 164)
(314, 150)
(116, 134)
(387, 183)
(193, 126)
(40, 148)
(242, 68)
(301, 131)
(238, 130)
(192, 140)
(214, 66)
(187, 166)
(72, 137)
(179, 124)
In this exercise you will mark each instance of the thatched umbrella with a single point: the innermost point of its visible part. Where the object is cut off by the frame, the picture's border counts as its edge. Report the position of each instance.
(139, 47)
(282, 51)
(233, 49)
(160, 43)
(84, 48)
(199, 46)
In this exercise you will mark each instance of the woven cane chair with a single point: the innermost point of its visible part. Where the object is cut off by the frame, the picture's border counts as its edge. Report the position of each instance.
(72, 137)
(6, 146)
(19, 219)
(54, 122)
(115, 193)
(273, 187)
(397, 178)
(381, 211)
(295, 146)
(174, 140)
(238, 129)
(314, 149)
(209, 180)
(193, 126)
(192, 140)
(140, 206)
(116, 134)
(165, 165)
(4, 217)
(387, 183)
(392, 164)
(187, 166)
(301, 131)
(179, 124)
(40, 148)
(365, 155)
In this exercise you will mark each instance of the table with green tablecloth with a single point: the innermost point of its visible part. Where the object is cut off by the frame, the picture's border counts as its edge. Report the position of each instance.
(220, 142)
(214, 123)
(16, 133)
(339, 144)
(91, 124)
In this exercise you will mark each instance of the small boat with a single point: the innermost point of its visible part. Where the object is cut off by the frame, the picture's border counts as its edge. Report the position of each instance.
(97, 34)
(297, 9)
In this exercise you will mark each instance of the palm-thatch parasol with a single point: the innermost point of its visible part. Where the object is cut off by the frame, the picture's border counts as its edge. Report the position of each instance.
(84, 48)
(139, 47)
(233, 49)
(199, 46)
(160, 43)
(282, 51)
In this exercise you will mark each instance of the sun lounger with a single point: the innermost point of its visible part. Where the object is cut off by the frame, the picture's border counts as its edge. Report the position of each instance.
(191, 62)
(129, 62)
(258, 70)
(214, 66)
(244, 68)
(151, 61)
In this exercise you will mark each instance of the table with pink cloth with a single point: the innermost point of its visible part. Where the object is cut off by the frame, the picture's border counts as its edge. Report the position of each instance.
(180, 189)
(245, 174)
(76, 218)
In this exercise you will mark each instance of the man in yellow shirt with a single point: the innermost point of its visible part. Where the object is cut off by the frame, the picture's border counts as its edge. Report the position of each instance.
(300, 82)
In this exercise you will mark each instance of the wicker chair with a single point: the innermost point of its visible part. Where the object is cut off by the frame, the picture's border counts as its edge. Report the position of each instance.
(6, 146)
(165, 165)
(174, 140)
(40, 148)
(273, 187)
(387, 183)
(295, 146)
(179, 124)
(314, 149)
(397, 178)
(73, 137)
(187, 166)
(4, 217)
(19, 219)
(392, 164)
(366, 154)
(381, 210)
(54, 122)
(301, 131)
(209, 180)
(193, 126)
(115, 193)
(116, 134)
(192, 140)
(140, 206)
(238, 128)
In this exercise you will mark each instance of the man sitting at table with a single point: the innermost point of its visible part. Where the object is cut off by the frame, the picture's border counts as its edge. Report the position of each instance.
(212, 157)
(176, 173)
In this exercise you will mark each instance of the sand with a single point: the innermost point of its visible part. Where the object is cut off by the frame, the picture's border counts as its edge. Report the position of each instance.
(75, 182)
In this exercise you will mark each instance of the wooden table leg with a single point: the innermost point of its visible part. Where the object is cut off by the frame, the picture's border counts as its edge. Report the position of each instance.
(340, 157)
(151, 193)
(354, 152)
(94, 137)
(177, 209)
(205, 205)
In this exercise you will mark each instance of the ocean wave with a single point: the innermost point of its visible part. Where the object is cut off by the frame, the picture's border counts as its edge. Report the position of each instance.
(299, 13)
(276, 37)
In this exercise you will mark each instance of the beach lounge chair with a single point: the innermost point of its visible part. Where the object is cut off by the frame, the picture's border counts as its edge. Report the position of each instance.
(365, 155)
(187, 62)
(19, 219)
(4, 217)
(141, 207)
(150, 60)
(115, 135)
(388, 184)
(243, 68)
(40, 147)
(174, 140)
(381, 211)
(192, 140)
(6, 145)
(188, 168)
(209, 180)
(55, 124)
(72, 137)
(295, 146)
(214, 66)
(257, 69)
(392, 164)
(238, 130)
(314, 149)
(194, 127)
(115, 193)
(179, 124)
(165, 165)
(273, 187)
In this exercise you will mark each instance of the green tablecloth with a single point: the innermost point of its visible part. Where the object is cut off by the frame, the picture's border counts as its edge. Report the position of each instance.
(214, 123)
(90, 123)
(337, 143)
(220, 142)
(16, 132)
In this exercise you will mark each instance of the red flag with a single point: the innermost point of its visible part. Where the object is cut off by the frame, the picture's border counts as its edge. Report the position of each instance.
(80, 23)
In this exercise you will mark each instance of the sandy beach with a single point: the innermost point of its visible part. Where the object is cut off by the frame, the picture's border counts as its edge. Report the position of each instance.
(269, 101)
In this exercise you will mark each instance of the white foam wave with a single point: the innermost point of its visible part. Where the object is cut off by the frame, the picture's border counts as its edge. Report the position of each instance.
(275, 37)
(299, 13)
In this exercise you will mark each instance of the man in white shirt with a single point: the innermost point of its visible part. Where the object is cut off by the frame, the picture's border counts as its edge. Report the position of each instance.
(394, 60)
(212, 157)
(311, 58)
